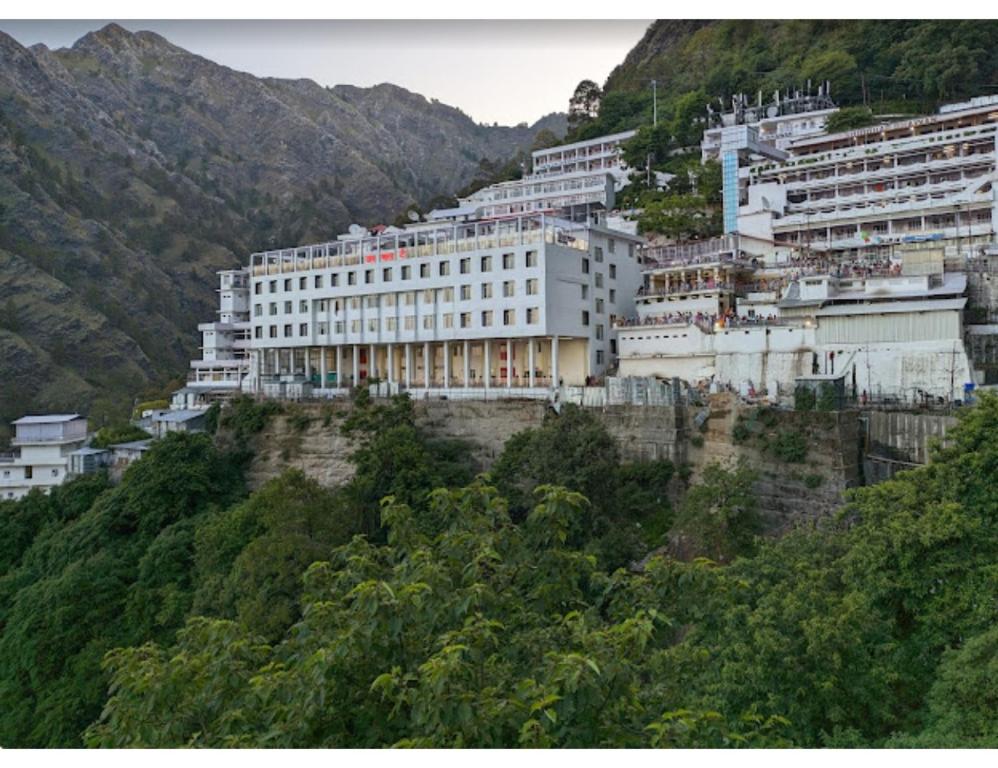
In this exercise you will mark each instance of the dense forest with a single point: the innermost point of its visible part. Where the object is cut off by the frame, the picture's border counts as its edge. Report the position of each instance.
(541, 604)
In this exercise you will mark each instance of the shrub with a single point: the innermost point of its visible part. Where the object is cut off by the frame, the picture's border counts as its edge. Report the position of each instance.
(790, 447)
(828, 398)
(813, 480)
(740, 432)
(804, 399)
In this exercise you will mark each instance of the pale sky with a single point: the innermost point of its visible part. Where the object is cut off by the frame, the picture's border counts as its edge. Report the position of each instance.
(495, 71)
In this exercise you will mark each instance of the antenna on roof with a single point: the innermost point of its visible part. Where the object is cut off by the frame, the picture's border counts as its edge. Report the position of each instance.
(413, 215)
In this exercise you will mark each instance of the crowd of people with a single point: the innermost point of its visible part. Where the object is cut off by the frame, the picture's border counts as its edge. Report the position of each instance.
(707, 321)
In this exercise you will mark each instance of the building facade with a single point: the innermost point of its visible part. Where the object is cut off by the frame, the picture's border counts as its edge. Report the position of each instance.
(518, 303)
(866, 191)
(43, 446)
(224, 360)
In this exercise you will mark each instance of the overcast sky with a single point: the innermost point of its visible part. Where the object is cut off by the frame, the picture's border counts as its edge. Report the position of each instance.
(496, 71)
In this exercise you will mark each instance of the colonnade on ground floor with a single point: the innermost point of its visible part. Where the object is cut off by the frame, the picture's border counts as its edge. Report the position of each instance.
(487, 363)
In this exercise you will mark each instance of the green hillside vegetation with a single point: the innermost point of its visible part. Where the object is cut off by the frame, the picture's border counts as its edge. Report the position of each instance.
(876, 67)
(419, 606)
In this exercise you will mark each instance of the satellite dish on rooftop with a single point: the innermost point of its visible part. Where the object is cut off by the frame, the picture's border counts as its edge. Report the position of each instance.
(413, 215)
(356, 229)
(766, 205)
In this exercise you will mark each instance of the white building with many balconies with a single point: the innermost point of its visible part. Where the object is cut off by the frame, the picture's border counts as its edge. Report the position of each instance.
(224, 360)
(866, 191)
(43, 446)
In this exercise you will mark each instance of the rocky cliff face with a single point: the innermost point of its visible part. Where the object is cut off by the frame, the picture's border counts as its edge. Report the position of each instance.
(131, 170)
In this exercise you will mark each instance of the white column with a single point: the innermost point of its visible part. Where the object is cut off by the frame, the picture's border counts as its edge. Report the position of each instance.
(408, 365)
(322, 368)
(372, 368)
(509, 363)
(426, 364)
(554, 361)
(308, 362)
(488, 363)
(336, 364)
(391, 364)
(530, 361)
(356, 365)
(446, 365)
(466, 360)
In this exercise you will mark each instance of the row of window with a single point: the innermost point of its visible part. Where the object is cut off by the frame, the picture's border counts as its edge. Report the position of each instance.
(408, 298)
(408, 323)
(29, 472)
(406, 272)
(429, 322)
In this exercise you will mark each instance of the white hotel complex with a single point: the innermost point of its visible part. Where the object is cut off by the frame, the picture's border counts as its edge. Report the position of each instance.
(846, 259)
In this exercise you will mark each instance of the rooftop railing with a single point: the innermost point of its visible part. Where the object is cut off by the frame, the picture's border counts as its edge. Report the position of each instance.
(716, 249)
(447, 239)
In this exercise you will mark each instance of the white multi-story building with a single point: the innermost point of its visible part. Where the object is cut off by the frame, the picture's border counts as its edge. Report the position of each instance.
(224, 360)
(576, 181)
(601, 154)
(42, 449)
(508, 305)
(863, 192)
(894, 335)
(574, 195)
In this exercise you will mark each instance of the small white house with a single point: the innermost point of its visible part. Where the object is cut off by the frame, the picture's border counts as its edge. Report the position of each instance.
(42, 449)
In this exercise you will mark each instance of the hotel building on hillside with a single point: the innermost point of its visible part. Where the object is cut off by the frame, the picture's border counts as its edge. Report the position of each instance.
(225, 357)
(847, 256)
(576, 181)
(44, 447)
(863, 192)
(886, 334)
(506, 306)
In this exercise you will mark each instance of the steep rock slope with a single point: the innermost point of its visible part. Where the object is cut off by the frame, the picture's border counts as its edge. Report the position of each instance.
(131, 170)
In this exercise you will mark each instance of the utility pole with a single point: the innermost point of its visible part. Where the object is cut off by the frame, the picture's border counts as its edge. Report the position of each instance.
(654, 102)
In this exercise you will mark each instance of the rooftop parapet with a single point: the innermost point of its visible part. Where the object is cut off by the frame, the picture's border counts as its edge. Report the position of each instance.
(424, 242)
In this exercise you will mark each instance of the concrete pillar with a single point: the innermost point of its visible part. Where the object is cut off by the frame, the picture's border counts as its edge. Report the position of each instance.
(509, 363)
(323, 381)
(336, 366)
(530, 361)
(372, 367)
(426, 364)
(408, 365)
(390, 368)
(554, 361)
(308, 362)
(356, 365)
(488, 362)
(446, 365)
(466, 360)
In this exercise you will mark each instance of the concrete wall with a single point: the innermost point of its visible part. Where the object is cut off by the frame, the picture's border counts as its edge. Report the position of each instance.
(895, 441)
(833, 456)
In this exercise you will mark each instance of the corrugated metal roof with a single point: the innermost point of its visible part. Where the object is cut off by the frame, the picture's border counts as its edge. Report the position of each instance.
(52, 418)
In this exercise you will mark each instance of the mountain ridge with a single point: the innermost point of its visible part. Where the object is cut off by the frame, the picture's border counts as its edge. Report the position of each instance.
(133, 169)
